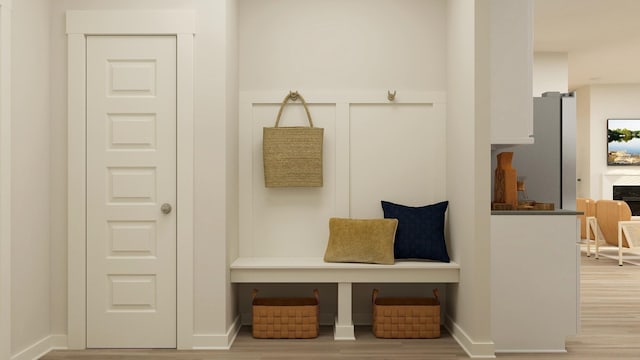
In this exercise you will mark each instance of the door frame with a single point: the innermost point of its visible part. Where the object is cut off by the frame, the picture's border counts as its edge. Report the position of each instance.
(5, 179)
(80, 24)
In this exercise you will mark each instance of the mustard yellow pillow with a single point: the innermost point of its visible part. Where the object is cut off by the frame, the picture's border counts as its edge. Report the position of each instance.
(361, 240)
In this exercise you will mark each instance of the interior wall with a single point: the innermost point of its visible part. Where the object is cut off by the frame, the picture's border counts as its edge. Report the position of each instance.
(468, 138)
(58, 158)
(232, 136)
(403, 63)
(5, 179)
(336, 44)
(213, 110)
(30, 175)
(608, 101)
(550, 72)
(214, 107)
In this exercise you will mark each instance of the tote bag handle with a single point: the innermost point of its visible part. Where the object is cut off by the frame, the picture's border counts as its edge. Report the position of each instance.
(293, 96)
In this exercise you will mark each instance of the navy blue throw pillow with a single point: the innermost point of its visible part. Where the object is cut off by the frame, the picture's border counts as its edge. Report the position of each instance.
(420, 233)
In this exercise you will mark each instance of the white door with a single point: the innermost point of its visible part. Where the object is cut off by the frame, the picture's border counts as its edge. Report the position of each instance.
(131, 179)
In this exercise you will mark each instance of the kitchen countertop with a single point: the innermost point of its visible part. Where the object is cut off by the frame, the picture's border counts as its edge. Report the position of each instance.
(536, 212)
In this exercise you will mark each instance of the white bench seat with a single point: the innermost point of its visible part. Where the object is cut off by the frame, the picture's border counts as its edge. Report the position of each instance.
(315, 270)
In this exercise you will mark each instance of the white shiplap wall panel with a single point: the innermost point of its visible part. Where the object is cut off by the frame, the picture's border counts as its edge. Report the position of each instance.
(374, 149)
(292, 221)
(397, 154)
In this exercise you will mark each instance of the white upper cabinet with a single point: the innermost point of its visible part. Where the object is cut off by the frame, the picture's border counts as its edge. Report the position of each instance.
(511, 72)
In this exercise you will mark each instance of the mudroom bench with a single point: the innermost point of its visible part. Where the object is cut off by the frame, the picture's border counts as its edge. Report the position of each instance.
(315, 270)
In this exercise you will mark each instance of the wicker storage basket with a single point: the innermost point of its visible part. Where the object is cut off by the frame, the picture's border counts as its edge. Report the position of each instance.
(406, 318)
(285, 318)
(292, 156)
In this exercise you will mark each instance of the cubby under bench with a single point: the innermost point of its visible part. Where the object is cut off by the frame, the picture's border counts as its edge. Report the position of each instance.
(316, 270)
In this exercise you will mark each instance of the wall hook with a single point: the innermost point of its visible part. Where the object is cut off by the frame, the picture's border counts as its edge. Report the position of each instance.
(391, 95)
(293, 95)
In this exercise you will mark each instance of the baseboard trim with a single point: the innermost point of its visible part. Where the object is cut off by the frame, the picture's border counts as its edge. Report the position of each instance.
(37, 350)
(215, 341)
(531, 351)
(476, 350)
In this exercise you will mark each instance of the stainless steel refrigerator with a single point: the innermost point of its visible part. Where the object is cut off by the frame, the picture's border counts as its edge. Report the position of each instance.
(548, 166)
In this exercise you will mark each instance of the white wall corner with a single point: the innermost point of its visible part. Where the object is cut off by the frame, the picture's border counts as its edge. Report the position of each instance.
(40, 348)
(475, 349)
(217, 341)
(5, 179)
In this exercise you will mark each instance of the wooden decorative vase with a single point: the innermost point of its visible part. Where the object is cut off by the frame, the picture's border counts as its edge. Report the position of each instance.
(505, 189)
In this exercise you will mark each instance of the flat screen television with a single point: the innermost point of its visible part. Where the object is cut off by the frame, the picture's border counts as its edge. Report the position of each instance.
(623, 142)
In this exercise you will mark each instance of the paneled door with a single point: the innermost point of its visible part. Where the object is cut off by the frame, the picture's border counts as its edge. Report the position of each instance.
(131, 189)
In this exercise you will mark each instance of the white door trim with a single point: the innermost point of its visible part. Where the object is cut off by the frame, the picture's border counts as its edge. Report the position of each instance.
(5, 179)
(79, 25)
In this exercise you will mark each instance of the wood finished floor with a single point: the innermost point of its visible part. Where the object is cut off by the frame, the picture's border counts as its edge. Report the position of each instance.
(610, 297)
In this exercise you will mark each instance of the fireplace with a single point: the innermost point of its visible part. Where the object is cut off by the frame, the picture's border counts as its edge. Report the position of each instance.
(629, 194)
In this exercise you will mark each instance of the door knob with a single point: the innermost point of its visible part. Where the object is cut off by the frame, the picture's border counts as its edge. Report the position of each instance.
(165, 208)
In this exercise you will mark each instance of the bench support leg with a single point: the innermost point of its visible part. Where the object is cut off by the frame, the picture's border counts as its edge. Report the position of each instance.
(344, 325)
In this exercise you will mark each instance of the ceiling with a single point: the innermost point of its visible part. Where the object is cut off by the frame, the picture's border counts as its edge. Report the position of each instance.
(601, 37)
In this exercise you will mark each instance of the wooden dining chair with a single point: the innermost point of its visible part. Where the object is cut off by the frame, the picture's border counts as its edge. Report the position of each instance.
(588, 208)
(612, 225)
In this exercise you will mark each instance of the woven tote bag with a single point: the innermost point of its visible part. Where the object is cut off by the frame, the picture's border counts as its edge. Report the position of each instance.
(292, 155)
